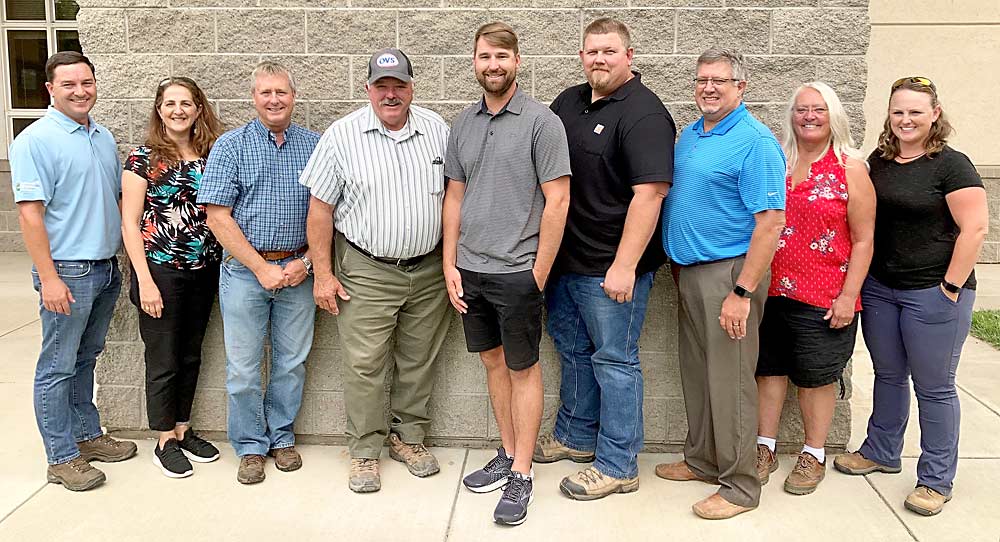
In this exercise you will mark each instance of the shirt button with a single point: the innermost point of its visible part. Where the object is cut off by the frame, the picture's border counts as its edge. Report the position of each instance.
(491, 132)
(585, 111)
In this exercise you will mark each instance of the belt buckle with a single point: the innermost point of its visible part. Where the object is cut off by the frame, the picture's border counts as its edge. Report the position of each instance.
(399, 262)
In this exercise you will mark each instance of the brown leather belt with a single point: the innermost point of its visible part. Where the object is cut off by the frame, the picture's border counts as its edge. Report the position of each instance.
(398, 262)
(276, 255)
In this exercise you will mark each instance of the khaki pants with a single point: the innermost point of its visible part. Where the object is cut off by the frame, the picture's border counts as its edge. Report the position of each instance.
(717, 373)
(395, 315)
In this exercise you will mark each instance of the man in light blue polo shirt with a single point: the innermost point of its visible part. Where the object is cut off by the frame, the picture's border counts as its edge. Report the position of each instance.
(723, 218)
(66, 176)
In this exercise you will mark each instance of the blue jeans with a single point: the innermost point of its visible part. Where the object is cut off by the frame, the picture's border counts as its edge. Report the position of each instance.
(601, 388)
(915, 334)
(64, 375)
(260, 420)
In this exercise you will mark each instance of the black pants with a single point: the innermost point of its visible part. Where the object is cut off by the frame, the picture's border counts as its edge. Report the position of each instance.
(173, 341)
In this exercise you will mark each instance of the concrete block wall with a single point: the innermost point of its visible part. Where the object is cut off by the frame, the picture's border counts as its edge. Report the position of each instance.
(136, 43)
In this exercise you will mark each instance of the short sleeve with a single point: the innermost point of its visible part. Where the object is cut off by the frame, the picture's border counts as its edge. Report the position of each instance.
(550, 149)
(762, 177)
(220, 182)
(323, 174)
(649, 149)
(27, 171)
(452, 165)
(137, 162)
(957, 172)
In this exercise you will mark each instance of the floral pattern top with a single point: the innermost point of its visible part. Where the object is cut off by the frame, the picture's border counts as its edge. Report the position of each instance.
(813, 251)
(173, 226)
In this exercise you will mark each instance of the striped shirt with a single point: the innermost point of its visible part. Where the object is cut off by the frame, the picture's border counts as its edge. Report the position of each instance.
(249, 172)
(387, 192)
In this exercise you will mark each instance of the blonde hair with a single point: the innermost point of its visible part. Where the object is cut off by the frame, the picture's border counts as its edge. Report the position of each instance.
(840, 126)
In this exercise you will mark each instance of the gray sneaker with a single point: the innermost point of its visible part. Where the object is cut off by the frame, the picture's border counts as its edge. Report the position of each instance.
(75, 475)
(491, 477)
(513, 506)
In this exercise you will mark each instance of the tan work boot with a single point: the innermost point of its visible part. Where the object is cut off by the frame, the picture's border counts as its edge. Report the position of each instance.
(679, 472)
(417, 459)
(855, 463)
(106, 449)
(548, 449)
(75, 475)
(286, 459)
(251, 469)
(925, 501)
(806, 475)
(767, 463)
(590, 484)
(717, 507)
(364, 476)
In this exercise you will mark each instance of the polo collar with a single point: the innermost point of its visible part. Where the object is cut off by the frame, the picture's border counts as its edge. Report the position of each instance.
(515, 105)
(414, 125)
(623, 91)
(69, 124)
(723, 125)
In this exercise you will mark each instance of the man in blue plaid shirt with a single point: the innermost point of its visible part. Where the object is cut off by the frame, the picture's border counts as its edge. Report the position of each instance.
(257, 210)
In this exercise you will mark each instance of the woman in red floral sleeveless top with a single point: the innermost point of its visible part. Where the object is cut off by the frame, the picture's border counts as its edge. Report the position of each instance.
(808, 329)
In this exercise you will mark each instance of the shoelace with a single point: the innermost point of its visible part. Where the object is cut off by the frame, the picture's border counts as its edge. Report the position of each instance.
(365, 465)
(546, 440)
(80, 465)
(515, 487)
(763, 453)
(254, 460)
(591, 476)
(805, 462)
(496, 464)
(107, 440)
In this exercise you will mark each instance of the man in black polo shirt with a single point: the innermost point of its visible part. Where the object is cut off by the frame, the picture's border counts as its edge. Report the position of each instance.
(621, 140)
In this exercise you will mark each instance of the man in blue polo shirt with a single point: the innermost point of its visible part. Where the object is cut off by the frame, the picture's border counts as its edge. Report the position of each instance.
(723, 218)
(67, 181)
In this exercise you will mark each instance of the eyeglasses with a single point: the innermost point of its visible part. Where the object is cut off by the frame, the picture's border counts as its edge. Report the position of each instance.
(716, 82)
(802, 111)
(922, 81)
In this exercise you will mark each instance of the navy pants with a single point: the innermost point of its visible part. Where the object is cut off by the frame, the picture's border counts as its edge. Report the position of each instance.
(915, 334)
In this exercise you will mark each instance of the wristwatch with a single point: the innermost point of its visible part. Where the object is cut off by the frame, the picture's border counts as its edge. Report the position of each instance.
(308, 263)
(742, 292)
(951, 288)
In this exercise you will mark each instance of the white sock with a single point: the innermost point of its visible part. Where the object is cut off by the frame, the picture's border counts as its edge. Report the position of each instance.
(769, 442)
(818, 453)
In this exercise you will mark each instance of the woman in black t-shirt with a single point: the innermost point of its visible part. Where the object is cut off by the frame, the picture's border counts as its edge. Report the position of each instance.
(930, 222)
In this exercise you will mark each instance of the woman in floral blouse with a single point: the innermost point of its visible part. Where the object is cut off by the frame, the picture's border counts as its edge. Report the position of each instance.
(175, 264)
(809, 327)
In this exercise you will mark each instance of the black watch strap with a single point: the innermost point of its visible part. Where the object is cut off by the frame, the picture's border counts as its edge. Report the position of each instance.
(742, 292)
(951, 288)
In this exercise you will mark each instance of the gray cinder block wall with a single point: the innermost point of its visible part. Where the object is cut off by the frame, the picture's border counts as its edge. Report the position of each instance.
(136, 43)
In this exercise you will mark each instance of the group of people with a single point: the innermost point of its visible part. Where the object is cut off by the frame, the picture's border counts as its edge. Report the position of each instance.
(390, 216)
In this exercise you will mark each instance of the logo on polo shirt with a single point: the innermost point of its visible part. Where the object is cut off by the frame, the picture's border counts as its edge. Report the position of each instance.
(598, 129)
(387, 60)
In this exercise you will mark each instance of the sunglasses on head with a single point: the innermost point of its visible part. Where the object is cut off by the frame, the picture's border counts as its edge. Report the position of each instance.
(922, 81)
(170, 80)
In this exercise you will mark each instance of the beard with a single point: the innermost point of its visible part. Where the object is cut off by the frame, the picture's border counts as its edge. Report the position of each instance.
(497, 88)
(600, 80)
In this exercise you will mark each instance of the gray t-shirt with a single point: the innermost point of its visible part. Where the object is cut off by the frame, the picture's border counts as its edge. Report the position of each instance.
(503, 159)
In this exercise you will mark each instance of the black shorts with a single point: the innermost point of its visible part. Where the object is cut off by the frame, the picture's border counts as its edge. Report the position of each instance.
(795, 341)
(504, 309)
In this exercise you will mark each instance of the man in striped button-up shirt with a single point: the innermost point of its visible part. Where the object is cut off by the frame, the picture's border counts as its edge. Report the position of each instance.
(377, 179)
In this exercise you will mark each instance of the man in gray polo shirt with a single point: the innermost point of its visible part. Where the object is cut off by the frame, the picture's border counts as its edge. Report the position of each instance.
(504, 212)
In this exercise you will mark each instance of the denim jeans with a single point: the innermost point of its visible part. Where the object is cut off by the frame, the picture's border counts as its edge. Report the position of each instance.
(64, 377)
(601, 390)
(260, 420)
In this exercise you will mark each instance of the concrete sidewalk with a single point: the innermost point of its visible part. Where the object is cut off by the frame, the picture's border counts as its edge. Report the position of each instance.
(138, 503)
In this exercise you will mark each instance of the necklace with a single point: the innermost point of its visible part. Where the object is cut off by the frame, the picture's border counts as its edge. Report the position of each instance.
(901, 157)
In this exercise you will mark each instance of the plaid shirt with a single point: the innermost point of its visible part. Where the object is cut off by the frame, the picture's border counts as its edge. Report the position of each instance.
(249, 172)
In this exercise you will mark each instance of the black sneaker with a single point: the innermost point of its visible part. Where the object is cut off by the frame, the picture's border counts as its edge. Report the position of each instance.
(513, 506)
(198, 449)
(171, 460)
(491, 477)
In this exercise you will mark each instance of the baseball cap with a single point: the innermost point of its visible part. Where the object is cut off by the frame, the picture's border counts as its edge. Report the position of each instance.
(389, 63)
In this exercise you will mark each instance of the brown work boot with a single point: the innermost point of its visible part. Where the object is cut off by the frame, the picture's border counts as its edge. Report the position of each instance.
(679, 472)
(75, 475)
(855, 463)
(251, 469)
(286, 459)
(106, 449)
(717, 507)
(925, 501)
(591, 484)
(806, 475)
(364, 476)
(767, 463)
(417, 459)
(548, 449)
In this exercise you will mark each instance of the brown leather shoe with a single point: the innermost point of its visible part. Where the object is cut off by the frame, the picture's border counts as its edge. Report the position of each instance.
(925, 501)
(286, 459)
(767, 463)
(417, 459)
(855, 463)
(251, 469)
(548, 449)
(716, 507)
(106, 449)
(679, 472)
(806, 475)
(75, 475)
(364, 477)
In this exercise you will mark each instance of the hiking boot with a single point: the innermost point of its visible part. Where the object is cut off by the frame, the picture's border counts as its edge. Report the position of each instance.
(548, 449)
(590, 484)
(364, 476)
(170, 458)
(491, 477)
(806, 475)
(517, 495)
(925, 501)
(717, 507)
(286, 459)
(855, 463)
(75, 475)
(198, 449)
(251, 469)
(680, 472)
(106, 449)
(417, 459)
(767, 463)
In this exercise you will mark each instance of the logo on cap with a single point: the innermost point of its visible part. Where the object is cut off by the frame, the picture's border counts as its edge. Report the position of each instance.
(387, 61)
